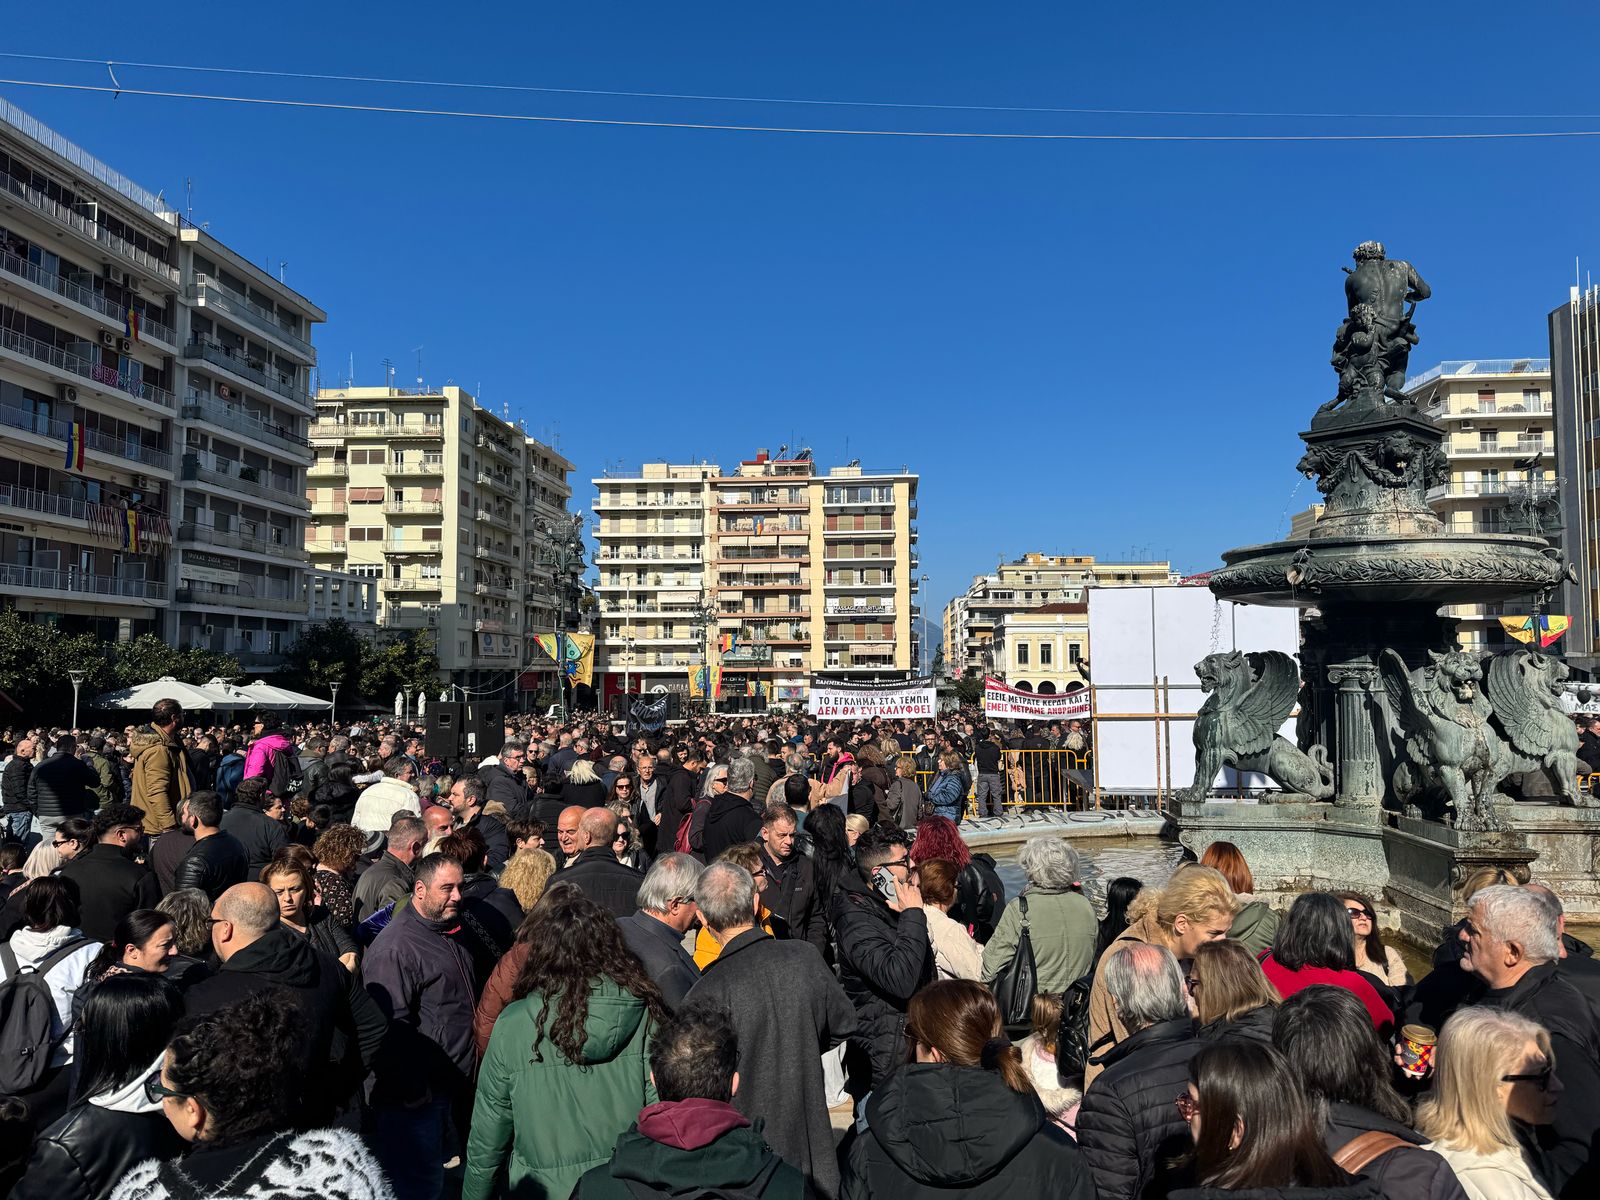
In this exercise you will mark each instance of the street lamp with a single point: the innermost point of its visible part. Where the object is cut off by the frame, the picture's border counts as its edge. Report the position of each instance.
(333, 709)
(77, 676)
(562, 551)
(703, 616)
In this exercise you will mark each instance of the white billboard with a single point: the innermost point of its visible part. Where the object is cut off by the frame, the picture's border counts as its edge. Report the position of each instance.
(1144, 643)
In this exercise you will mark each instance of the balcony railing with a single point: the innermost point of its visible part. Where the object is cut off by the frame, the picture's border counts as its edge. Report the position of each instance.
(494, 481)
(50, 427)
(244, 594)
(84, 297)
(431, 431)
(237, 364)
(321, 547)
(406, 508)
(1481, 488)
(78, 582)
(189, 532)
(81, 224)
(213, 293)
(325, 467)
(500, 448)
(414, 547)
(329, 506)
(424, 467)
(105, 378)
(200, 407)
(226, 473)
(412, 584)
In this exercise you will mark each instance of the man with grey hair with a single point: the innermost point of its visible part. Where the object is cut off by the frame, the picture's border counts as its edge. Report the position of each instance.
(796, 763)
(1127, 1126)
(788, 1010)
(666, 913)
(1514, 946)
(1061, 924)
(504, 782)
(732, 818)
(390, 878)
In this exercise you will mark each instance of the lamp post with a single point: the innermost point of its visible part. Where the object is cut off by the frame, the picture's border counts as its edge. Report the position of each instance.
(333, 709)
(77, 676)
(704, 616)
(562, 551)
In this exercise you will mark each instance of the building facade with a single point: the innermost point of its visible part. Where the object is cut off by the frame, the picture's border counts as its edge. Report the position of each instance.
(1497, 418)
(1575, 399)
(428, 493)
(774, 570)
(1044, 649)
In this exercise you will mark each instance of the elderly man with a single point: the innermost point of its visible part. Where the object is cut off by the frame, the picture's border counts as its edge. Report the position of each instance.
(787, 1009)
(613, 885)
(732, 818)
(1513, 946)
(390, 879)
(566, 832)
(1127, 1127)
(666, 913)
(503, 780)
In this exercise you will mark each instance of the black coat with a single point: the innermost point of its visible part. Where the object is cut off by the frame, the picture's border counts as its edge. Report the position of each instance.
(259, 834)
(662, 953)
(1359, 1188)
(344, 1027)
(1128, 1126)
(730, 820)
(490, 917)
(936, 1130)
(884, 957)
(1255, 1025)
(791, 897)
(110, 886)
(213, 864)
(510, 790)
(14, 784)
(63, 786)
(495, 837)
(674, 799)
(614, 886)
(588, 795)
(85, 1154)
(1404, 1173)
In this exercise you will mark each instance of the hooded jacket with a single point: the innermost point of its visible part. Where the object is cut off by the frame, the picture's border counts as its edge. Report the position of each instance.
(87, 1152)
(64, 979)
(680, 1146)
(553, 1121)
(940, 1130)
(160, 777)
(884, 957)
(379, 802)
(1255, 925)
(258, 759)
(730, 820)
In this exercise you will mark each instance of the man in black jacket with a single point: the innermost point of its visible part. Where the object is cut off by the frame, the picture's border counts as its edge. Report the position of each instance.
(1513, 946)
(503, 781)
(1128, 1127)
(215, 860)
(790, 893)
(613, 885)
(61, 786)
(110, 884)
(884, 954)
(344, 1027)
(466, 802)
(732, 818)
(666, 912)
(14, 791)
(260, 835)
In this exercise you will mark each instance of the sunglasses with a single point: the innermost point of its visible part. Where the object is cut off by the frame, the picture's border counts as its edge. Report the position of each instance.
(155, 1090)
(1188, 1107)
(1358, 914)
(1539, 1079)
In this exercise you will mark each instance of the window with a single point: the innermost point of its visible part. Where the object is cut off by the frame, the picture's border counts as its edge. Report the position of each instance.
(1022, 654)
(1074, 652)
(1046, 654)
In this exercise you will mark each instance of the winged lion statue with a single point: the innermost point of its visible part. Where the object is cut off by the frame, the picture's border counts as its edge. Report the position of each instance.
(1251, 696)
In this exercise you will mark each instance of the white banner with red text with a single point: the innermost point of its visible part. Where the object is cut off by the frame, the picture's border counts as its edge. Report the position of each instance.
(1002, 700)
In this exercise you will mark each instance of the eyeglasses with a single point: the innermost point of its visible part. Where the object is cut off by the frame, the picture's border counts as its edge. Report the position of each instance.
(155, 1090)
(624, 787)
(899, 862)
(1359, 914)
(1188, 1107)
(1539, 1079)
(59, 842)
(1193, 984)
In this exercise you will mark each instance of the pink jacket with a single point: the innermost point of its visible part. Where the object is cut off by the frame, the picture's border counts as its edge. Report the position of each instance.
(258, 759)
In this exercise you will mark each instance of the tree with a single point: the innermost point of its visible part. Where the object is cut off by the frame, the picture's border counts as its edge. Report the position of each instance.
(969, 689)
(326, 652)
(147, 657)
(409, 661)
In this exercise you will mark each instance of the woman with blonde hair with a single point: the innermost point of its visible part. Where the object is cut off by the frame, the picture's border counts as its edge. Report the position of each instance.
(1196, 906)
(1494, 1072)
(1232, 998)
(1256, 923)
(526, 875)
(855, 825)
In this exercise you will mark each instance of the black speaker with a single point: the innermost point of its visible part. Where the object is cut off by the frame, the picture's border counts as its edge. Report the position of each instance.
(674, 706)
(483, 728)
(620, 704)
(442, 738)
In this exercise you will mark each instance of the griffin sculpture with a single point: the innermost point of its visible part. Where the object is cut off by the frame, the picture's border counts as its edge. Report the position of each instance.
(1524, 688)
(1447, 742)
(1251, 696)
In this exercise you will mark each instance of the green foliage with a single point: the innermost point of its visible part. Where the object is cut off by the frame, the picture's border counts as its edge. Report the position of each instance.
(330, 652)
(969, 689)
(409, 660)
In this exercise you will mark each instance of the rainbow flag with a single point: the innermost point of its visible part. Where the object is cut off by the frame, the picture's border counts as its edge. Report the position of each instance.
(77, 441)
(130, 323)
(1546, 630)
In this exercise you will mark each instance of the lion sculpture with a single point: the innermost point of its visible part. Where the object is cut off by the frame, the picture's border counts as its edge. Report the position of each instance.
(1447, 743)
(1251, 696)
(1524, 688)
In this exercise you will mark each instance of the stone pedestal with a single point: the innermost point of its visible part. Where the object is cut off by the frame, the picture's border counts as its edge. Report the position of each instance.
(1567, 841)
(1291, 847)
(1428, 863)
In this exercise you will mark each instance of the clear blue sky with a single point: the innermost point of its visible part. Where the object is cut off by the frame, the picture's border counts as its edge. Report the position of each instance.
(1083, 347)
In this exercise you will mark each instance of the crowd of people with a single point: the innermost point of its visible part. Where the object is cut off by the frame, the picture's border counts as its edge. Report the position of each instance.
(748, 956)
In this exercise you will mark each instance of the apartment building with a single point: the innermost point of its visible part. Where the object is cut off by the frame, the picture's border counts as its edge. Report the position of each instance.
(1575, 395)
(972, 620)
(775, 570)
(1497, 418)
(427, 492)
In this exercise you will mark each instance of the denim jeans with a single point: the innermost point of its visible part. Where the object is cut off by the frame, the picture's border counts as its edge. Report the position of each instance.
(409, 1144)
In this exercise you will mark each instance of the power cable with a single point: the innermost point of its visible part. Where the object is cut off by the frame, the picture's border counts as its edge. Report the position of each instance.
(733, 128)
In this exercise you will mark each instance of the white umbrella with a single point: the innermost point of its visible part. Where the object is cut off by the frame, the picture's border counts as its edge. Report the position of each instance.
(399, 704)
(261, 694)
(192, 696)
(422, 704)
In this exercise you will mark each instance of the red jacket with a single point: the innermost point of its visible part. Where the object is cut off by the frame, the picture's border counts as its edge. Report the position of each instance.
(1289, 982)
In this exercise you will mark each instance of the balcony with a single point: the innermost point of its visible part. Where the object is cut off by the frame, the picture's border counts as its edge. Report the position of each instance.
(497, 447)
(240, 422)
(1524, 448)
(425, 431)
(412, 584)
(84, 297)
(1459, 490)
(414, 508)
(236, 363)
(413, 467)
(207, 536)
(106, 379)
(80, 583)
(845, 554)
(851, 583)
(323, 468)
(320, 547)
(1514, 409)
(504, 486)
(647, 555)
(319, 507)
(274, 597)
(230, 476)
(495, 554)
(88, 228)
(505, 591)
(212, 293)
(835, 609)
(57, 431)
(414, 547)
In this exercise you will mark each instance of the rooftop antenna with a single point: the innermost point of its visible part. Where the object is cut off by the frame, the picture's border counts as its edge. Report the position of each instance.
(419, 368)
(188, 188)
(282, 263)
(388, 373)
(350, 382)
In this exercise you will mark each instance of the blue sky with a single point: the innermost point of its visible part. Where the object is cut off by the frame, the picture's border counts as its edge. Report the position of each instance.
(1083, 347)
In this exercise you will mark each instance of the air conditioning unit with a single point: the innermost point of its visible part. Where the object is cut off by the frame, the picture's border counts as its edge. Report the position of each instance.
(131, 284)
(116, 275)
(67, 394)
(206, 630)
(141, 483)
(124, 346)
(107, 338)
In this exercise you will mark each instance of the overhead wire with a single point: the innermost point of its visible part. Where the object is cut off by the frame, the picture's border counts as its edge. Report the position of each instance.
(813, 101)
(969, 135)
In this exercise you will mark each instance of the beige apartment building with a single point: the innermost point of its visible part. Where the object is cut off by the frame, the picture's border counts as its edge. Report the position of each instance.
(1496, 414)
(804, 572)
(429, 493)
(972, 620)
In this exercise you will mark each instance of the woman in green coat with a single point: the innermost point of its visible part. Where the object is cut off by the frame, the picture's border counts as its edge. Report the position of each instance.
(568, 1065)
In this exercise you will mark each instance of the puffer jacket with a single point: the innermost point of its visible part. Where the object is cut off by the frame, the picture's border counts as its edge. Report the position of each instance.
(160, 778)
(1252, 1025)
(936, 1130)
(553, 1120)
(1128, 1125)
(1403, 1173)
(258, 759)
(884, 957)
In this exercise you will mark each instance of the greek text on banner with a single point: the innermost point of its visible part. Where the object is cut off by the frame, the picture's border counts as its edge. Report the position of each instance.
(1001, 700)
(843, 701)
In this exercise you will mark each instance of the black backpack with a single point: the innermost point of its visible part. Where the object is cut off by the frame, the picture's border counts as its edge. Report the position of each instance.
(1072, 1038)
(283, 774)
(980, 897)
(28, 1019)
